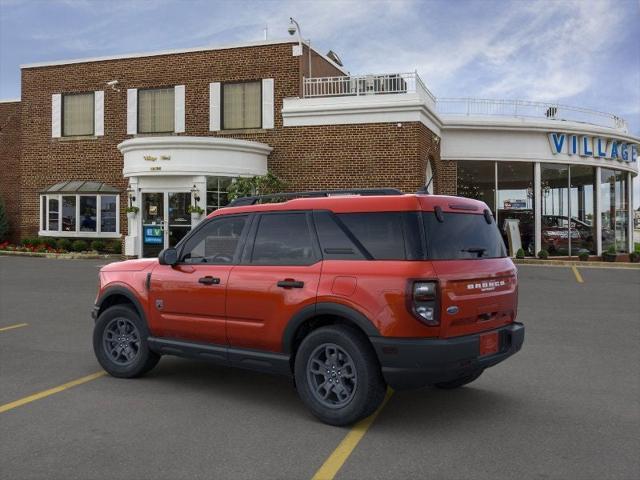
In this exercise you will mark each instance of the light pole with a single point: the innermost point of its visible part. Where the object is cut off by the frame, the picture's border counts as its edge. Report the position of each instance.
(294, 27)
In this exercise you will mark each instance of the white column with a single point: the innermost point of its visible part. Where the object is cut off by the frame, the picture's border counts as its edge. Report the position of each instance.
(133, 241)
(98, 111)
(214, 106)
(179, 101)
(132, 111)
(598, 212)
(56, 116)
(630, 211)
(537, 207)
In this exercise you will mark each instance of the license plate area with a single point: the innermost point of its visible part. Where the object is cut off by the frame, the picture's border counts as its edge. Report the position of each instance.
(489, 344)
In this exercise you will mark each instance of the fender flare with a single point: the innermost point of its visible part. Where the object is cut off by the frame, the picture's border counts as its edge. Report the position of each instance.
(125, 292)
(325, 308)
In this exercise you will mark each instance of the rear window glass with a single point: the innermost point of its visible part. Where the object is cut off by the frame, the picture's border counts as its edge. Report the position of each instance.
(386, 235)
(462, 236)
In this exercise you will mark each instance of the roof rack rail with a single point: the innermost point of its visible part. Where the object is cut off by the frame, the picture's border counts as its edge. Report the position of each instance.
(279, 197)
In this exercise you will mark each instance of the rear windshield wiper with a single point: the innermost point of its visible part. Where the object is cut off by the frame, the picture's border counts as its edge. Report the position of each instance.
(479, 250)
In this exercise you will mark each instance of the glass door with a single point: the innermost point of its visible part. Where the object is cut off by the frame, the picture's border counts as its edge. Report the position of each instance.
(179, 218)
(153, 227)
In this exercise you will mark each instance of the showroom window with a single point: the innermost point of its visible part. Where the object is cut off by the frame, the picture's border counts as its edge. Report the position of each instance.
(477, 180)
(156, 110)
(241, 105)
(80, 209)
(78, 114)
(217, 188)
(614, 210)
(516, 204)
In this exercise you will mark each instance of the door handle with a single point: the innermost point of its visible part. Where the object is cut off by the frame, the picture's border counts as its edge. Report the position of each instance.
(290, 283)
(208, 280)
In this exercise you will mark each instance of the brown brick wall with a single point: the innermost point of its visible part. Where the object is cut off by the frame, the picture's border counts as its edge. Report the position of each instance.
(340, 156)
(10, 163)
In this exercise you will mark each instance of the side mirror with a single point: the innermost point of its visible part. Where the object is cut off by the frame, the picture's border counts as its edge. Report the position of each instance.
(168, 256)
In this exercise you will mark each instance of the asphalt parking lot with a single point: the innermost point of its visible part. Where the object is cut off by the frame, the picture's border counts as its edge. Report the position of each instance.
(567, 406)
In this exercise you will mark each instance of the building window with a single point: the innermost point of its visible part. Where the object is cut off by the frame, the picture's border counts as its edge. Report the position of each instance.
(78, 114)
(241, 105)
(108, 213)
(80, 215)
(69, 213)
(515, 204)
(478, 180)
(614, 210)
(156, 110)
(217, 192)
(88, 213)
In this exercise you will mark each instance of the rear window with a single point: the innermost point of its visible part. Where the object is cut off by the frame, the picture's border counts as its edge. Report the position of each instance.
(462, 236)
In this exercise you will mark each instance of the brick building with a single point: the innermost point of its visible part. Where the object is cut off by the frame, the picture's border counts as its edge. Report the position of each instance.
(161, 131)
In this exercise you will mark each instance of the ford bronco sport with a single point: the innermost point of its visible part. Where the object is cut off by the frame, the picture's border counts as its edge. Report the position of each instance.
(347, 292)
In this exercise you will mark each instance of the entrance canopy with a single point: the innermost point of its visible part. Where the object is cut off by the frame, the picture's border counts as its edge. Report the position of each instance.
(184, 156)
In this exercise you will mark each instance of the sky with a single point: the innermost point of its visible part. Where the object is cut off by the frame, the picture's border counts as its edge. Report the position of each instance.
(584, 53)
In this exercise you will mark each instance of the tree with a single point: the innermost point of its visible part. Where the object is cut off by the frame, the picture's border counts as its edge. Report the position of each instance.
(259, 185)
(4, 222)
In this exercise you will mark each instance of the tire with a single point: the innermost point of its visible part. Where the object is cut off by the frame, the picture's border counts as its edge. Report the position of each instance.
(132, 358)
(460, 381)
(339, 354)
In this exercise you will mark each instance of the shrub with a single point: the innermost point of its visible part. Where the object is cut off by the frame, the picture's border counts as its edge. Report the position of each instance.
(115, 247)
(4, 222)
(259, 185)
(634, 257)
(29, 242)
(98, 245)
(520, 253)
(543, 254)
(47, 242)
(611, 249)
(583, 256)
(79, 246)
(64, 244)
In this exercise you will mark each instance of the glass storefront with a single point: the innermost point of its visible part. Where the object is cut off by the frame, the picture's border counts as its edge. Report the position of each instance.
(217, 192)
(515, 203)
(568, 196)
(581, 204)
(554, 186)
(477, 180)
(614, 210)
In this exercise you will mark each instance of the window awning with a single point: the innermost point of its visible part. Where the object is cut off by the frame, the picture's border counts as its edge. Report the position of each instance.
(81, 186)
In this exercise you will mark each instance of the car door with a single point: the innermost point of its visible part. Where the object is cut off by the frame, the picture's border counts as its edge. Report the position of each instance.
(277, 276)
(188, 299)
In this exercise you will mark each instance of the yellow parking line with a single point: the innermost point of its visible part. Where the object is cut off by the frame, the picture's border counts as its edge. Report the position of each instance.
(577, 274)
(334, 463)
(11, 327)
(37, 396)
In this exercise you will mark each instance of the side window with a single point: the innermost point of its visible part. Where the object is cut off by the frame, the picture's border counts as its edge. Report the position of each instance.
(216, 243)
(334, 242)
(386, 235)
(283, 239)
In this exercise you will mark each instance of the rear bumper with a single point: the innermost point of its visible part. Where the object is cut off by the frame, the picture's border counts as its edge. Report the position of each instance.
(414, 363)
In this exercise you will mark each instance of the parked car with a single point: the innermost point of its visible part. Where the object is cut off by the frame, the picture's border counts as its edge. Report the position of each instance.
(346, 292)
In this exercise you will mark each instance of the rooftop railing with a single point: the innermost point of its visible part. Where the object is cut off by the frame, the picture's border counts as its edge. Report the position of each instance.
(402, 83)
(528, 109)
(357, 85)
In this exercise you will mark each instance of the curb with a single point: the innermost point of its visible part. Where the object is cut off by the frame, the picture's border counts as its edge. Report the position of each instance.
(573, 263)
(62, 256)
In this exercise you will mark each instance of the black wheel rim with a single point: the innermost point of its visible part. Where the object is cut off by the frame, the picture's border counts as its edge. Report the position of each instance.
(331, 374)
(121, 341)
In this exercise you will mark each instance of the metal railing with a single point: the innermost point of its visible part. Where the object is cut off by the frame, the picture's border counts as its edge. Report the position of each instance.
(357, 85)
(402, 83)
(525, 108)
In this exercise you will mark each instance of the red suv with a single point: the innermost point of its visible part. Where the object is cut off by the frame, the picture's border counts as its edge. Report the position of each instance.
(347, 292)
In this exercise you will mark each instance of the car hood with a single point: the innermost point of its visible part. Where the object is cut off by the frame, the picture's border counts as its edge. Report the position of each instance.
(130, 265)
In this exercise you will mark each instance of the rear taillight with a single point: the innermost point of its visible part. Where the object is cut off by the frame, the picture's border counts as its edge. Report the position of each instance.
(423, 302)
